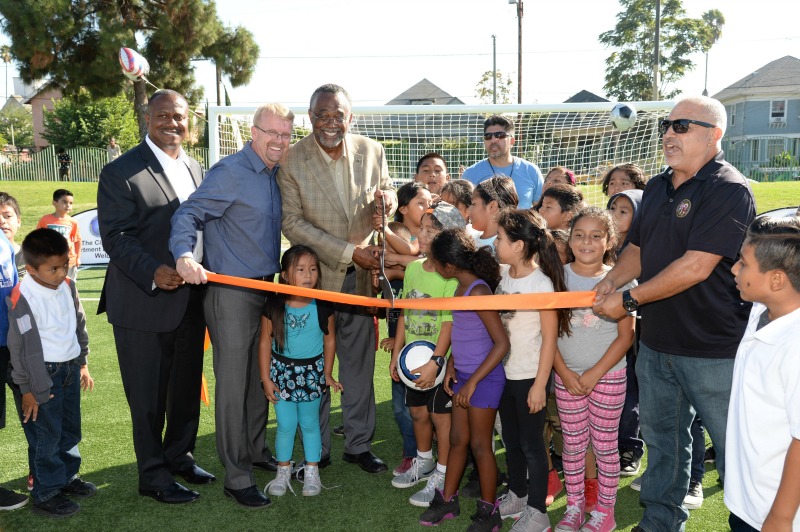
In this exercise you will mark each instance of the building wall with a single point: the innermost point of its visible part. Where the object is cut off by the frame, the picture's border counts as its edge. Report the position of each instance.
(42, 100)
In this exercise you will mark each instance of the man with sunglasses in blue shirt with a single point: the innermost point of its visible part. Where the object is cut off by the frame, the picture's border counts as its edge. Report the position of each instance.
(498, 138)
(682, 246)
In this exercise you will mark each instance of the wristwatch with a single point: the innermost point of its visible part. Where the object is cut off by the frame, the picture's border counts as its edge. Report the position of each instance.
(439, 360)
(628, 303)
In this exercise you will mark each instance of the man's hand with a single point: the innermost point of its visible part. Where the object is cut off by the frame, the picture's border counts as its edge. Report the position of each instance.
(610, 306)
(381, 197)
(602, 289)
(167, 278)
(190, 271)
(366, 257)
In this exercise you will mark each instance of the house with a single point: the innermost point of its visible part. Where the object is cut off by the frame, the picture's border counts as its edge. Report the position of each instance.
(763, 135)
(43, 98)
(424, 93)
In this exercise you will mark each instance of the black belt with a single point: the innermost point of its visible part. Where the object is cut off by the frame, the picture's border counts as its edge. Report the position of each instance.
(265, 278)
(351, 268)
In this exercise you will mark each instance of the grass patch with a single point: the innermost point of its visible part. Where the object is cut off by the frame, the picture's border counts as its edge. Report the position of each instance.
(356, 500)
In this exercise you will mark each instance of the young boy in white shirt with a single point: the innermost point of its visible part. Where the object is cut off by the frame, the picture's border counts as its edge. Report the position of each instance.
(762, 480)
(48, 343)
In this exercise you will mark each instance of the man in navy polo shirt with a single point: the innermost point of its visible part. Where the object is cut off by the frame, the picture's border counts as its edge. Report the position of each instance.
(687, 236)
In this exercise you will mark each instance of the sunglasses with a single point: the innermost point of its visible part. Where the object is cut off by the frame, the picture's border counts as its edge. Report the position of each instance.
(496, 134)
(680, 126)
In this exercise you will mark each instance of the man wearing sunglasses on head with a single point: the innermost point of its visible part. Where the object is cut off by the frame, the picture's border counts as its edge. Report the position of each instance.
(682, 246)
(498, 138)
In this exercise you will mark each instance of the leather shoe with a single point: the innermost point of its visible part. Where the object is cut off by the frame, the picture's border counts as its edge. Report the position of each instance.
(366, 461)
(271, 464)
(249, 497)
(196, 475)
(338, 430)
(172, 494)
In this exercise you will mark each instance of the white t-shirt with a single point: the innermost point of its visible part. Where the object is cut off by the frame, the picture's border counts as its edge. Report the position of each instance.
(56, 319)
(763, 417)
(523, 326)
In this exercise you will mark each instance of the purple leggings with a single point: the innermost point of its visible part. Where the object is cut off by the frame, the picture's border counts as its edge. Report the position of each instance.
(596, 417)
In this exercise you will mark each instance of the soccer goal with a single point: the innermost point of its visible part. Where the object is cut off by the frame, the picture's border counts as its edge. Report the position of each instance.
(579, 136)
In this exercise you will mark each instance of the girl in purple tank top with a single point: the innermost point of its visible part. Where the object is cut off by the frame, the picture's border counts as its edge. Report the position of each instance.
(474, 377)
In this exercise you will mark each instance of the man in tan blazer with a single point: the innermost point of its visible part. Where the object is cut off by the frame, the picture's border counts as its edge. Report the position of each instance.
(331, 183)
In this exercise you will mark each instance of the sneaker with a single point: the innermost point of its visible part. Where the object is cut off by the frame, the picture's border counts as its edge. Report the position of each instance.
(30, 481)
(600, 520)
(439, 510)
(11, 500)
(554, 487)
(694, 497)
(56, 507)
(423, 497)
(637, 484)
(312, 485)
(590, 489)
(282, 481)
(79, 488)
(532, 520)
(404, 466)
(512, 506)
(628, 464)
(572, 520)
(710, 455)
(487, 518)
(421, 469)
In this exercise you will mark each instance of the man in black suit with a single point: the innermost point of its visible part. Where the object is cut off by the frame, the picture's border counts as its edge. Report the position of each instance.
(157, 319)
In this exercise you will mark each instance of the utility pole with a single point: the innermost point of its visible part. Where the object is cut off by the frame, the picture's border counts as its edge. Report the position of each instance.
(494, 69)
(657, 52)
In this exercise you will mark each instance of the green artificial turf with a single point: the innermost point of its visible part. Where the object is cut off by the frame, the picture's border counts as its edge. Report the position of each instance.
(356, 501)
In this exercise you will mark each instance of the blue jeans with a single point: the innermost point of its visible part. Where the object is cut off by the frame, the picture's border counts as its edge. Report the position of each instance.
(698, 469)
(53, 438)
(670, 388)
(403, 419)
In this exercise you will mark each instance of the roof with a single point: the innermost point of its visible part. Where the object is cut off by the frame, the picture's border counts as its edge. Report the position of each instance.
(585, 97)
(779, 76)
(424, 93)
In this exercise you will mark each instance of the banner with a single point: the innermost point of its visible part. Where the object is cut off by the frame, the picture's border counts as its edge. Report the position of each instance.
(92, 252)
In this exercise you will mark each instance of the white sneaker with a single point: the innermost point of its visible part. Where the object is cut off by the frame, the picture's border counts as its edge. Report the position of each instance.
(512, 506)
(637, 484)
(532, 520)
(421, 469)
(312, 485)
(423, 497)
(281, 482)
(694, 497)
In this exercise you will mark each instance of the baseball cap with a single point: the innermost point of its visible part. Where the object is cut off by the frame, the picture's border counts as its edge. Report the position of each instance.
(447, 215)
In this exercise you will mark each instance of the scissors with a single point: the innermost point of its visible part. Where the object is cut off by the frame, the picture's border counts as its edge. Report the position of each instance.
(386, 287)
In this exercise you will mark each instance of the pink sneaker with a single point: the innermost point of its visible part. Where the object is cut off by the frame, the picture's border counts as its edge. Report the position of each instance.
(404, 466)
(30, 481)
(572, 520)
(600, 520)
(590, 490)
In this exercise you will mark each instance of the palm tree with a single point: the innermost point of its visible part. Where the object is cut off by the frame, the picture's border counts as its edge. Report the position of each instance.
(714, 20)
(5, 53)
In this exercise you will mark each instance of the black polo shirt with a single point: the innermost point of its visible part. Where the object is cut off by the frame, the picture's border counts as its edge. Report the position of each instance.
(710, 212)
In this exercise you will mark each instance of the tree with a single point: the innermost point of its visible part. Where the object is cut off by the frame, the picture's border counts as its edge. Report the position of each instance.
(76, 42)
(629, 68)
(714, 20)
(81, 120)
(485, 88)
(19, 121)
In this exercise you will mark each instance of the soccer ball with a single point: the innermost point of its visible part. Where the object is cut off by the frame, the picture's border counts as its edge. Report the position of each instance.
(413, 356)
(623, 116)
(134, 66)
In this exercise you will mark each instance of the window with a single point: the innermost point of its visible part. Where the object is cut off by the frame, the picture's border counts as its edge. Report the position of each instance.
(775, 147)
(733, 115)
(777, 113)
(755, 152)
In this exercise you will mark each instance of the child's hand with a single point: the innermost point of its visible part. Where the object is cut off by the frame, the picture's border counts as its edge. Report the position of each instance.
(449, 379)
(537, 398)
(427, 375)
(30, 408)
(588, 381)
(332, 383)
(387, 344)
(271, 391)
(393, 369)
(572, 383)
(464, 394)
(87, 382)
(377, 221)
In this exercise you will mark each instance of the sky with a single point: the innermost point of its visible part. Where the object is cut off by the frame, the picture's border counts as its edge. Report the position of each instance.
(377, 49)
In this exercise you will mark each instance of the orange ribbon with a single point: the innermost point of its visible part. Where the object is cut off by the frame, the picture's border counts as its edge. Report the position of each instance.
(539, 301)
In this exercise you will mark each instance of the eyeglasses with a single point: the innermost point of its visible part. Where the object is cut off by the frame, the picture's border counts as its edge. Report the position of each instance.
(680, 126)
(496, 134)
(274, 134)
(338, 119)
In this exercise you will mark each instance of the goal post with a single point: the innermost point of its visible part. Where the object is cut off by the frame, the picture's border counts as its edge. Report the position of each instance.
(579, 136)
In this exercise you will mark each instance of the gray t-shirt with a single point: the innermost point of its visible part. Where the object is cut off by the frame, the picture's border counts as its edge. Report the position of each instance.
(591, 334)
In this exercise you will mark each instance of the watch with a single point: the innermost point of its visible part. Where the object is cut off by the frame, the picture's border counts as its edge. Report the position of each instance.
(628, 303)
(439, 360)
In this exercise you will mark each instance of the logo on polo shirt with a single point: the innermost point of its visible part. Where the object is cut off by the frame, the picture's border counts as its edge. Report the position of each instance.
(683, 208)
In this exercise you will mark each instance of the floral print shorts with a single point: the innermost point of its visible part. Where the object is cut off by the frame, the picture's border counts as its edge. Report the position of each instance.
(298, 380)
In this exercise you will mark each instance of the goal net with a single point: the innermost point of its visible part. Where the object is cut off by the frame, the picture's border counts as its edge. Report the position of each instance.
(579, 136)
